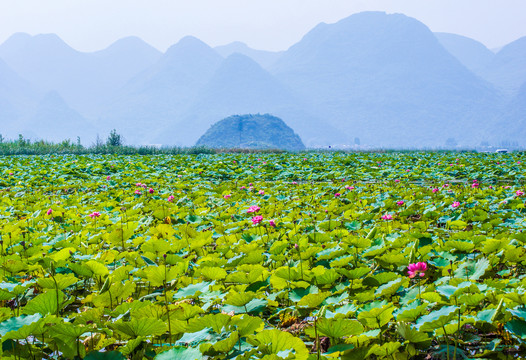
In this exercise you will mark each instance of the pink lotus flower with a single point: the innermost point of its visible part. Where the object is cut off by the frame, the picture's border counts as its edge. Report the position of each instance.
(387, 217)
(138, 184)
(337, 195)
(253, 209)
(349, 187)
(519, 193)
(491, 187)
(171, 198)
(242, 187)
(179, 176)
(475, 185)
(250, 184)
(11, 173)
(400, 202)
(304, 159)
(49, 212)
(294, 183)
(257, 219)
(397, 180)
(418, 268)
(261, 192)
(272, 223)
(507, 187)
(151, 191)
(435, 190)
(455, 204)
(143, 186)
(137, 192)
(108, 177)
(227, 196)
(94, 214)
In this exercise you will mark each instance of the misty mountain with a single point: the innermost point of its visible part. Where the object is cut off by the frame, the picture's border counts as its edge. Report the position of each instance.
(507, 70)
(241, 86)
(387, 80)
(513, 120)
(84, 80)
(159, 96)
(54, 120)
(17, 98)
(262, 57)
(26, 111)
(384, 79)
(471, 53)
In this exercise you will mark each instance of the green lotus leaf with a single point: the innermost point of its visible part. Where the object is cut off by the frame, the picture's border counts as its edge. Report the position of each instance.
(411, 334)
(336, 328)
(140, 327)
(376, 317)
(437, 318)
(49, 302)
(247, 325)
(215, 321)
(472, 270)
(180, 353)
(272, 342)
(313, 300)
(193, 289)
(15, 323)
(254, 306)
(62, 281)
(195, 338)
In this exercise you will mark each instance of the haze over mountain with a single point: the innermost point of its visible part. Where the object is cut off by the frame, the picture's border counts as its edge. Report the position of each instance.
(394, 85)
(384, 79)
(507, 70)
(84, 80)
(159, 96)
(471, 53)
(262, 57)
(241, 86)
(513, 120)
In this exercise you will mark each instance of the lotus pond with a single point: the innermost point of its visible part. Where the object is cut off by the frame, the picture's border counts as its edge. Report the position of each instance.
(263, 256)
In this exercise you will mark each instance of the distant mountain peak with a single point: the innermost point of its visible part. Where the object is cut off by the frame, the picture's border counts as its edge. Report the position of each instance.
(264, 58)
(130, 42)
(188, 43)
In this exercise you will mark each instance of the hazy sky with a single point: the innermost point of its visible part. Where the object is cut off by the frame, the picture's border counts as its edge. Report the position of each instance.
(90, 25)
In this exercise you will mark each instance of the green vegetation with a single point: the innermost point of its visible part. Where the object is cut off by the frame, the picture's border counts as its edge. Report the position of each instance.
(252, 132)
(263, 256)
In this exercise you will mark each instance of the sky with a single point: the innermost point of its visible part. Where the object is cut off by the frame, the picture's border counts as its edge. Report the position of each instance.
(90, 25)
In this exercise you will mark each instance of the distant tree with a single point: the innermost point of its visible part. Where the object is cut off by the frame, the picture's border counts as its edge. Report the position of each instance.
(1, 139)
(21, 141)
(114, 139)
(356, 141)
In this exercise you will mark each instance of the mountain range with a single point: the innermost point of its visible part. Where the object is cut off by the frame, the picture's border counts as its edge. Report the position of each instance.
(383, 80)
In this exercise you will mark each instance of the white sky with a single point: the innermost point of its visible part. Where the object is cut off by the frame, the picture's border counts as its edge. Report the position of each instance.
(89, 25)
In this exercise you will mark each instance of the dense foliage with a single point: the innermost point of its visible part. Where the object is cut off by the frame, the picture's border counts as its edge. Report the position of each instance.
(263, 256)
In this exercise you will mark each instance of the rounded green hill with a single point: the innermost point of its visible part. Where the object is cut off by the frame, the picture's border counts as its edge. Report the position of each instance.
(254, 131)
